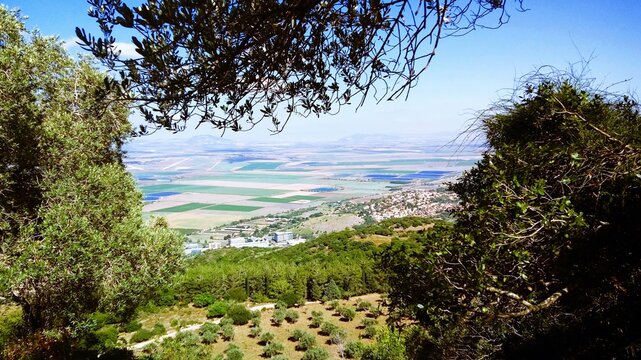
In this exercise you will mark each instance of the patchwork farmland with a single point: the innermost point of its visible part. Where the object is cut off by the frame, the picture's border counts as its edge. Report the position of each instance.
(211, 185)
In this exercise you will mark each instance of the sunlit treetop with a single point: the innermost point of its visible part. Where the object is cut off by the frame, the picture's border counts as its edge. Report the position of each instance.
(235, 63)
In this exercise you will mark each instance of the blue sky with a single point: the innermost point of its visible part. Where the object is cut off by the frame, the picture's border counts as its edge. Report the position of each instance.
(467, 74)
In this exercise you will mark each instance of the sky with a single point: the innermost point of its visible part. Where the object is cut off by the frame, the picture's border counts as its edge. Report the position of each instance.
(467, 75)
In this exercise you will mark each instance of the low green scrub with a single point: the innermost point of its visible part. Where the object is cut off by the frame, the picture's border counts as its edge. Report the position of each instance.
(141, 335)
(240, 314)
(217, 309)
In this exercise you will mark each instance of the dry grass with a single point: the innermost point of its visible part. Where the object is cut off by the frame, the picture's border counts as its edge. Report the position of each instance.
(253, 349)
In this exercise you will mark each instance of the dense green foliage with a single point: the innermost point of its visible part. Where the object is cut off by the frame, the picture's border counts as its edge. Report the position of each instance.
(211, 61)
(544, 259)
(72, 238)
(328, 266)
(239, 313)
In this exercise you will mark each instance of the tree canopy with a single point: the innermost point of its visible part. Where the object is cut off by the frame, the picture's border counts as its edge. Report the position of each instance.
(72, 239)
(544, 259)
(234, 63)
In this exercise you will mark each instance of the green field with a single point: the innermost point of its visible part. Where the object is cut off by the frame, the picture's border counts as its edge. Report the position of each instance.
(184, 207)
(250, 177)
(286, 199)
(203, 189)
(229, 207)
(262, 166)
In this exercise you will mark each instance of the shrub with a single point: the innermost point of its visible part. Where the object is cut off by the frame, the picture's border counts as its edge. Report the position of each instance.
(159, 329)
(291, 316)
(333, 305)
(279, 316)
(355, 349)
(296, 334)
(389, 345)
(256, 321)
(140, 336)
(347, 313)
(203, 300)
(209, 336)
(226, 321)
(279, 357)
(228, 332)
(316, 354)
(209, 326)
(362, 305)
(273, 348)
(234, 353)
(217, 309)
(255, 332)
(236, 294)
(368, 322)
(337, 336)
(105, 337)
(376, 311)
(328, 328)
(266, 337)
(306, 341)
(174, 323)
(316, 322)
(280, 305)
(131, 326)
(369, 332)
(290, 299)
(101, 319)
(240, 314)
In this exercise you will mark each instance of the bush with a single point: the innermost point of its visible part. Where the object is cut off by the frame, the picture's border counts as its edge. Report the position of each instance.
(266, 337)
(234, 353)
(236, 294)
(273, 348)
(140, 336)
(328, 328)
(255, 321)
(101, 319)
(279, 316)
(389, 345)
(369, 332)
(209, 326)
(347, 313)
(316, 354)
(131, 326)
(316, 322)
(159, 329)
(228, 332)
(203, 300)
(291, 316)
(296, 334)
(209, 336)
(105, 337)
(306, 341)
(240, 314)
(333, 305)
(255, 332)
(226, 321)
(376, 311)
(217, 309)
(279, 357)
(368, 322)
(355, 349)
(290, 299)
(362, 305)
(337, 336)
(174, 323)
